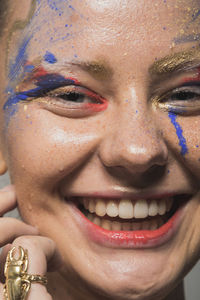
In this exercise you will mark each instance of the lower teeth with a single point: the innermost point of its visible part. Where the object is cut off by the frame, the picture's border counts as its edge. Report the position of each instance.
(153, 224)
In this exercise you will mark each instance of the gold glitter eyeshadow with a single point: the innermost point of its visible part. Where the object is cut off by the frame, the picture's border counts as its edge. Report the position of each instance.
(98, 69)
(174, 62)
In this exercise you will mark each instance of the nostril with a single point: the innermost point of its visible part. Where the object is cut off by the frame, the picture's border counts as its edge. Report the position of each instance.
(153, 175)
(155, 169)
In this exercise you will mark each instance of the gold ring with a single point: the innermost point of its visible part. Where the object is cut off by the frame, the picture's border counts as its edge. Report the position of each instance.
(18, 281)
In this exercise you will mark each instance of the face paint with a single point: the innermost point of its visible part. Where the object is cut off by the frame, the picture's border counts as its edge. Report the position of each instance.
(44, 84)
(179, 132)
(189, 21)
(187, 38)
(20, 60)
(192, 80)
(100, 105)
(50, 58)
(195, 15)
(18, 69)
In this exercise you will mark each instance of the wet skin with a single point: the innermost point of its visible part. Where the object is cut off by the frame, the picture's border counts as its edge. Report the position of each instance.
(123, 142)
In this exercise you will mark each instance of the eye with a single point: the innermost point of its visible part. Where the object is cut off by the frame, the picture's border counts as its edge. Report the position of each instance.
(73, 97)
(185, 94)
(73, 101)
(181, 100)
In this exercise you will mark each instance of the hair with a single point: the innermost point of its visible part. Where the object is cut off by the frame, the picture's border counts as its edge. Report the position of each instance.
(3, 14)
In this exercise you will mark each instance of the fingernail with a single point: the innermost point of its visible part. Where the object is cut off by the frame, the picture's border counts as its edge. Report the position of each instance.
(7, 188)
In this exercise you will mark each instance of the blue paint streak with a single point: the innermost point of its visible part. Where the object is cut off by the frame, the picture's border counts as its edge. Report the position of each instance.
(44, 84)
(17, 69)
(29, 68)
(11, 110)
(53, 5)
(179, 132)
(20, 60)
(195, 16)
(187, 38)
(50, 58)
(70, 6)
(53, 81)
(177, 110)
(57, 6)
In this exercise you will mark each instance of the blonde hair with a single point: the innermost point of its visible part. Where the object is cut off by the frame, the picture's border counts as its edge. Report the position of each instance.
(3, 13)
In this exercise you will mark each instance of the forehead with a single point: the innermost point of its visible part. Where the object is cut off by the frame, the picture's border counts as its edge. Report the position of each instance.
(74, 29)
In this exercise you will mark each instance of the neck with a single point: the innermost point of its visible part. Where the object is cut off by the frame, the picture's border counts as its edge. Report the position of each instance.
(177, 293)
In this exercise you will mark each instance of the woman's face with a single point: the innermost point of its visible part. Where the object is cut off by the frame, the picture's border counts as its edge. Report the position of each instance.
(101, 103)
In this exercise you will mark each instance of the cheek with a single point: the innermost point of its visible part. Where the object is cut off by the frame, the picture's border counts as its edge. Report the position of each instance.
(191, 132)
(45, 147)
(189, 164)
(182, 136)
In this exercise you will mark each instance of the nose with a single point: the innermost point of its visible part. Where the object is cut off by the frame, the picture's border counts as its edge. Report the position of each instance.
(134, 143)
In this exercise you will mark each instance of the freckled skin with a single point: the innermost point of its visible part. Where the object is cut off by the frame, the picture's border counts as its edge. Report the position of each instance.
(50, 155)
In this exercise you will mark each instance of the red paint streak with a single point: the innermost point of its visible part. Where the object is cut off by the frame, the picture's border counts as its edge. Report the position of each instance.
(96, 107)
(100, 102)
(76, 82)
(100, 105)
(197, 78)
(39, 72)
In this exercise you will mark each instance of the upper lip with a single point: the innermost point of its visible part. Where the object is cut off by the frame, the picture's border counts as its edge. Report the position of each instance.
(113, 194)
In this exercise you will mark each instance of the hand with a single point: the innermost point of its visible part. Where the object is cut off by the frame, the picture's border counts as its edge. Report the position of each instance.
(15, 233)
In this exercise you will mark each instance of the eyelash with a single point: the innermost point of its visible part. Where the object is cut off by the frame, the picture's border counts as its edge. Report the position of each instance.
(183, 100)
(74, 92)
(71, 100)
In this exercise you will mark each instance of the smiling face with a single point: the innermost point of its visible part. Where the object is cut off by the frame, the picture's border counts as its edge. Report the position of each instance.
(100, 106)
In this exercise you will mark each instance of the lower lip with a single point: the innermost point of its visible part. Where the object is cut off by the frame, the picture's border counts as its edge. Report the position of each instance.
(130, 239)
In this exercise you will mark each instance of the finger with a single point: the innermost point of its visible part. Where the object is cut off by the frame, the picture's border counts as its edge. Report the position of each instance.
(11, 228)
(2, 264)
(41, 251)
(7, 199)
(3, 256)
(1, 292)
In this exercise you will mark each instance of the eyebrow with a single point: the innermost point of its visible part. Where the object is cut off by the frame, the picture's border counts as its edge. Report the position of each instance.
(177, 62)
(100, 70)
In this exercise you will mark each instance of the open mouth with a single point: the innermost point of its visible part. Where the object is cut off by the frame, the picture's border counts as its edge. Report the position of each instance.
(130, 215)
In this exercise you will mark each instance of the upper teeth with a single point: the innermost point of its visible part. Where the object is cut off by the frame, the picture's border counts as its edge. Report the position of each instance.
(128, 209)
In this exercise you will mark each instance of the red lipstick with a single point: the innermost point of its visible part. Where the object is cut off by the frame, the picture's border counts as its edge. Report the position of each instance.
(140, 239)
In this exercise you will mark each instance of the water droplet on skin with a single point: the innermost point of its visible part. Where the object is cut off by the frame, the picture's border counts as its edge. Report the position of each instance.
(30, 208)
